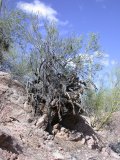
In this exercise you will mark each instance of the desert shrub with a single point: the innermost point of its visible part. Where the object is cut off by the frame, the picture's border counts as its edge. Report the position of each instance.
(106, 100)
(59, 72)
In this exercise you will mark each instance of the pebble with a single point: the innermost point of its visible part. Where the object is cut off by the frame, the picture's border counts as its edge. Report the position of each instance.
(60, 148)
(58, 156)
(63, 129)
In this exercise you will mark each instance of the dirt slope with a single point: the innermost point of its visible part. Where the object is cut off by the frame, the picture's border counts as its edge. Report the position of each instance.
(21, 140)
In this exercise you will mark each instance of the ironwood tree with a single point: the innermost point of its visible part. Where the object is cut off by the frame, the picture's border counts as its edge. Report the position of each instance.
(60, 74)
(60, 69)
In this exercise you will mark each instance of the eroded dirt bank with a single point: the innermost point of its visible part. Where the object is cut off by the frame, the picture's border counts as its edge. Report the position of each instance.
(21, 139)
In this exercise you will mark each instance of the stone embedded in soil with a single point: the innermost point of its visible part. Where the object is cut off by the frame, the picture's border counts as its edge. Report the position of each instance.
(75, 136)
(41, 122)
(58, 156)
(115, 147)
(9, 144)
(91, 143)
(55, 131)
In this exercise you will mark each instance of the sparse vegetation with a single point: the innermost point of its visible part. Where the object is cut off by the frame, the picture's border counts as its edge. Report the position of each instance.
(106, 100)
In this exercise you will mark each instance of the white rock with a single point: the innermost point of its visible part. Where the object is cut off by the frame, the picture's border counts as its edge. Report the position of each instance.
(90, 143)
(63, 129)
(87, 119)
(55, 131)
(82, 141)
(56, 126)
(58, 156)
(41, 121)
(113, 154)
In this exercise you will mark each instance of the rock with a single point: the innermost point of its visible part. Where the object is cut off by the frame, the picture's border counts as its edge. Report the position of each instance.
(58, 156)
(73, 131)
(55, 131)
(73, 158)
(41, 122)
(9, 143)
(87, 119)
(115, 147)
(66, 130)
(75, 136)
(83, 141)
(107, 151)
(46, 134)
(12, 98)
(115, 155)
(51, 144)
(30, 117)
(63, 129)
(30, 120)
(92, 158)
(56, 126)
(60, 148)
(90, 143)
(5, 155)
(62, 135)
(14, 157)
(27, 107)
(50, 137)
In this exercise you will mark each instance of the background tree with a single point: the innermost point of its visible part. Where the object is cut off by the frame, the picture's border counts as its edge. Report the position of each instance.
(10, 24)
(57, 66)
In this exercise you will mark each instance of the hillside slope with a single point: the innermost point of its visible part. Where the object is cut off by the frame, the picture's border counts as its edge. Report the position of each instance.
(22, 140)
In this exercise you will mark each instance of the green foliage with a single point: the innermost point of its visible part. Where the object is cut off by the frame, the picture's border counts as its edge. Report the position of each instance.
(44, 38)
(93, 43)
(10, 27)
(39, 38)
(105, 101)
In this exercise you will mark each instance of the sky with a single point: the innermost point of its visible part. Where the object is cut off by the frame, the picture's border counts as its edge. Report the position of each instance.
(81, 17)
